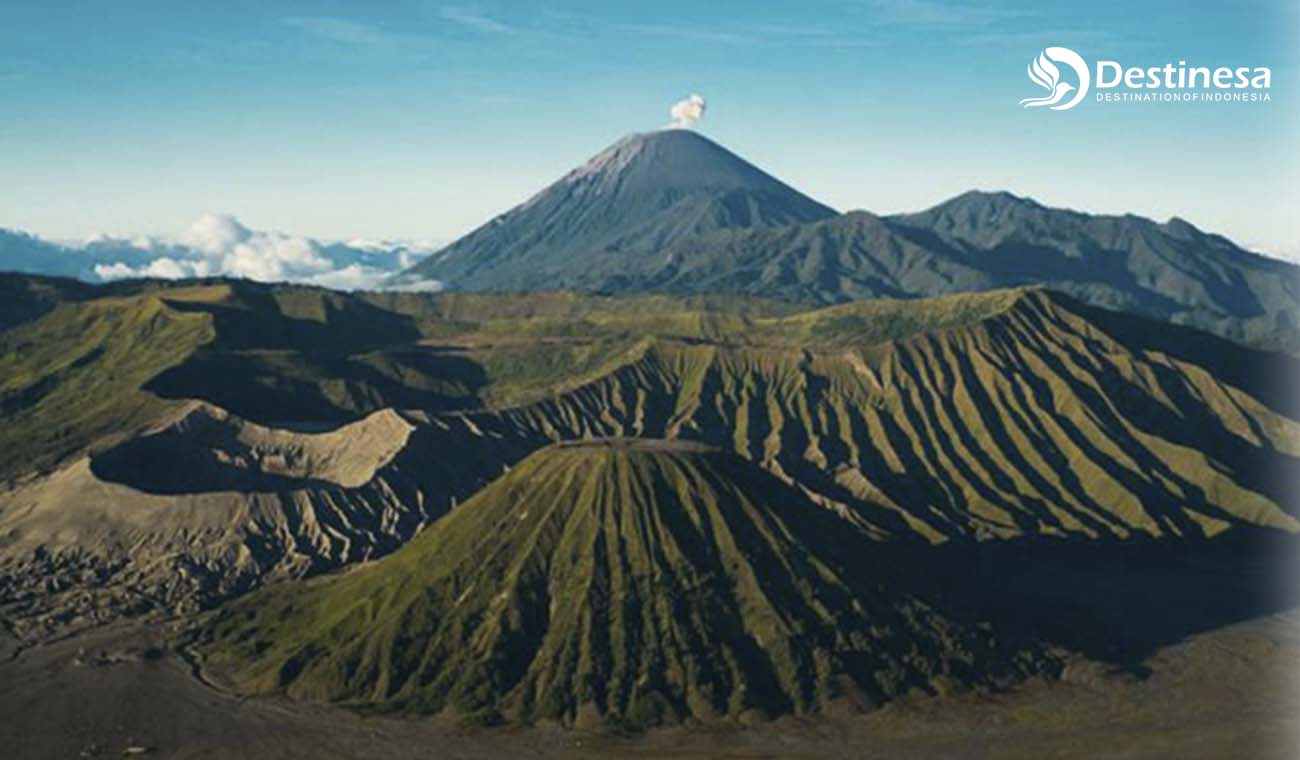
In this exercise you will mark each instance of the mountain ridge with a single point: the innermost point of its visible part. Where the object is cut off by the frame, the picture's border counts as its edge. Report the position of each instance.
(968, 417)
(597, 230)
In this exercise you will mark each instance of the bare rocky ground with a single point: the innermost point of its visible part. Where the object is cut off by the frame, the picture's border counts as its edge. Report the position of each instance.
(118, 691)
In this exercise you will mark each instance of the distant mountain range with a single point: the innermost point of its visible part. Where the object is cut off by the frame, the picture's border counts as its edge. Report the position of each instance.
(671, 211)
(22, 252)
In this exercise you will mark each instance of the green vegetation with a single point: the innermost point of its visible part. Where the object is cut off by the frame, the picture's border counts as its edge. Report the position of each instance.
(870, 323)
(27, 297)
(992, 414)
(626, 583)
(1031, 420)
(74, 377)
(744, 567)
(300, 353)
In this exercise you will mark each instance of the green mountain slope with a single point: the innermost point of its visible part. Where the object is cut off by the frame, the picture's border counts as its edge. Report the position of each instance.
(74, 376)
(1172, 270)
(27, 297)
(620, 582)
(972, 415)
(85, 364)
(1001, 413)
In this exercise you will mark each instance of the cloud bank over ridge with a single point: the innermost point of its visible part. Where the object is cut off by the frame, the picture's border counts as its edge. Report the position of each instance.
(218, 245)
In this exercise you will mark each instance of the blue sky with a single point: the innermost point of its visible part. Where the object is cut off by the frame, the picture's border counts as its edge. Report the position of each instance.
(422, 119)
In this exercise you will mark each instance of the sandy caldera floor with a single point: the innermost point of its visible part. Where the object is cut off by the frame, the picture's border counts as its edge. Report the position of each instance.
(1228, 693)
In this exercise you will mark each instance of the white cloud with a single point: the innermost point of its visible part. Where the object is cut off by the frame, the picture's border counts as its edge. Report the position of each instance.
(218, 245)
(115, 271)
(360, 277)
(164, 268)
(172, 269)
(104, 240)
(214, 233)
(417, 286)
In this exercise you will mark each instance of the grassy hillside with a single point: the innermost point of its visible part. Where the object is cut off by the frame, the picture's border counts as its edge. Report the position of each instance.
(81, 365)
(980, 416)
(293, 353)
(625, 582)
(74, 376)
(27, 297)
(995, 414)
(1043, 417)
(299, 353)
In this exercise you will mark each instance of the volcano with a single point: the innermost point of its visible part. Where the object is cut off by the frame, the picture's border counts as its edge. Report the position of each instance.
(634, 199)
(624, 582)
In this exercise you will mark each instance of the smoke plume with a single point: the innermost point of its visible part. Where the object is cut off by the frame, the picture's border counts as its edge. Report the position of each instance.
(687, 112)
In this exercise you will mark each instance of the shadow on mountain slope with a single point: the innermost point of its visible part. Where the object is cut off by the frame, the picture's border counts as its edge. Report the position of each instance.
(283, 353)
(1114, 601)
(1269, 377)
(258, 317)
(273, 386)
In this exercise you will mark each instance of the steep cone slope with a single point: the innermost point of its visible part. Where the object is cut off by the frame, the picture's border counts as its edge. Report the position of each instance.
(636, 198)
(613, 581)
